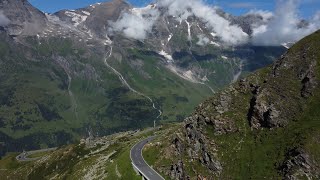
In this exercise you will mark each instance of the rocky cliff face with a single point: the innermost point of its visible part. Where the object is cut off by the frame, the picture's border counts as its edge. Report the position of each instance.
(267, 109)
(24, 19)
(95, 18)
(269, 117)
(298, 164)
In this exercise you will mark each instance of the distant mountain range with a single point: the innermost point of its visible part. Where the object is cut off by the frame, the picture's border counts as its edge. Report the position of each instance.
(111, 67)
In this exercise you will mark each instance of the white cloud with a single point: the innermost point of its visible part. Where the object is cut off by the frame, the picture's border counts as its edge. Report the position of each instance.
(3, 19)
(283, 26)
(139, 22)
(277, 28)
(258, 30)
(136, 24)
(182, 9)
(203, 40)
(266, 15)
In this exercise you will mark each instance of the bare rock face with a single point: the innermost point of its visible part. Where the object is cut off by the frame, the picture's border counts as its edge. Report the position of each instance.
(192, 143)
(296, 79)
(308, 80)
(24, 19)
(96, 17)
(206, 117)
(223, 104)
(199, 147)
(299, 164)
(87, 72)
(264, 114)
(177, 171)
(178, 145)
(196, 144)
(223, 126)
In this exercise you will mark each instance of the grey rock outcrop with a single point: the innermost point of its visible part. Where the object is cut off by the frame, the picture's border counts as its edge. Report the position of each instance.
(269, 106)
(308, 80)
(198, 148)
(96, 17)
(263, 114)
(24, 18)
(177, 171)
(299, 164)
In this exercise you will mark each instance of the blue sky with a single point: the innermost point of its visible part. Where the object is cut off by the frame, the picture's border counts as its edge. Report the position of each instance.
(236, 7)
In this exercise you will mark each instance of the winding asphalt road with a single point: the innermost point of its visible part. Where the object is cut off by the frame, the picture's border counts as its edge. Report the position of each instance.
(140, 164)
(24, 156)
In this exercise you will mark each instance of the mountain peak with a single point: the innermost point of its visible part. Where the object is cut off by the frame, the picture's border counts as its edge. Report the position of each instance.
(113, 3)
(24, 18)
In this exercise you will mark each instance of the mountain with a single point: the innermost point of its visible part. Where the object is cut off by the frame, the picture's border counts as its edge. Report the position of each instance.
(24, 18)
(264, 126)
(77, 71)
(95, 18)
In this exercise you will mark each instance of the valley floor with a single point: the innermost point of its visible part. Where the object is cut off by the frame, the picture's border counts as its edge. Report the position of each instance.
(92, 158)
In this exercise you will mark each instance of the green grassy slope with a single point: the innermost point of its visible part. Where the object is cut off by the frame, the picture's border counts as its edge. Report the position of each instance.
(108, 159)
(54, 90)
(36, 105)
(286, 143)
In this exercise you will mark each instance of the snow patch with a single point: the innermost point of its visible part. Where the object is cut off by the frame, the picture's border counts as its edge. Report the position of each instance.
(143, 10)
(215, 44)
(76, 18)
(213, 34)
(199, 28)
(90, 33)
(166, 55)
(108, 40)
(186, 75)
(38, 37)
(86, 13)
(224, 57)
(169, 38)
(287, 45)
(204, 79)
(52, 18)
(189, 30)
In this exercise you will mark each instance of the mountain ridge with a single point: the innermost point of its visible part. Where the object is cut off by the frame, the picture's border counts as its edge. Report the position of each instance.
(24, 18)
(64, 62)
(267, 121)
